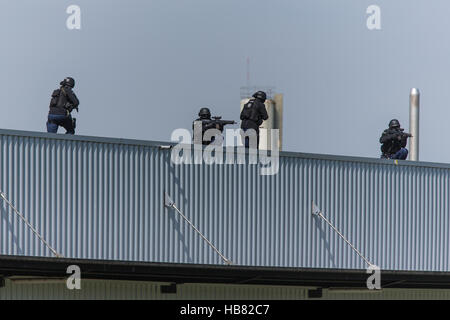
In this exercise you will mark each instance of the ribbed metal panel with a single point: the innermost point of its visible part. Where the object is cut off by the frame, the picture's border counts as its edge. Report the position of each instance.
(103, 199)
(387, 294)
(134, 290)
(123, 290)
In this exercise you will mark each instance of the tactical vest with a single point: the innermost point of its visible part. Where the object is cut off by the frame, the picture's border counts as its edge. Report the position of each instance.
(250, 111)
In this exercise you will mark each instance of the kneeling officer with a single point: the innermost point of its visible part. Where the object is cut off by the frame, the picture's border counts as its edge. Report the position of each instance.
(209, 123)
(62, 103)
(394, 141)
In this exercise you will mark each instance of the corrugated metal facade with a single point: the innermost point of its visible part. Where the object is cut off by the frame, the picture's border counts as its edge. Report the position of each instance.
(103, 199)
(132, 290)
(124, 290)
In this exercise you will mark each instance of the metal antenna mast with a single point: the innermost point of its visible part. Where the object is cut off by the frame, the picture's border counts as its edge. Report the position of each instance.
(248, 72)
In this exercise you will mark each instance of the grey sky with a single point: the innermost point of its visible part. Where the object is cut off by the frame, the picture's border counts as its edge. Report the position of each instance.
(144, 68)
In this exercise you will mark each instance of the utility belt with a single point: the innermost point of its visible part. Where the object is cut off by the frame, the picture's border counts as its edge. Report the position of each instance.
(257, 121)
(255, 126)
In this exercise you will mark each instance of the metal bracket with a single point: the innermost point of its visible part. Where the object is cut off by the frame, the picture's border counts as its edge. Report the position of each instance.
(22, 217)
(168, 202)
(315, 210)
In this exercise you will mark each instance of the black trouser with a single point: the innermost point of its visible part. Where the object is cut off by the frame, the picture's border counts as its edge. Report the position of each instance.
(247, 138)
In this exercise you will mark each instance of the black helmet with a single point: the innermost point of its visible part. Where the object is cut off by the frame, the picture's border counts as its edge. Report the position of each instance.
(394, 123)
(68, 82)
(204, 113)
(260, 95)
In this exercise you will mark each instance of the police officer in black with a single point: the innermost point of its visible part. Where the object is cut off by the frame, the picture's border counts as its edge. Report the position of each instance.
(62, 103)
(394, 141)
(253, 114)
(205, 118)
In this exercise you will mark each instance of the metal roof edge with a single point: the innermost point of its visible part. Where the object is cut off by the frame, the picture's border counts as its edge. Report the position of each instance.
(292, 154)
(68, 137)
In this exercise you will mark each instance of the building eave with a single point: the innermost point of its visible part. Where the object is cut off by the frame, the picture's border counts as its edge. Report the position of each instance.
(15, 266)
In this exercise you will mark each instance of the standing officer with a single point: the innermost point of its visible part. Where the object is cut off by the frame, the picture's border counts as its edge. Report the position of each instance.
(205, 117)
(62, 103)
(394, 141)
(253, 114)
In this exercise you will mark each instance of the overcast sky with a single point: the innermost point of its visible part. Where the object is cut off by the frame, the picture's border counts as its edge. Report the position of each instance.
(144, 68)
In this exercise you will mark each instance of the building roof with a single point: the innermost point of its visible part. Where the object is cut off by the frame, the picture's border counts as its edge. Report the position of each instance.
(103, 199)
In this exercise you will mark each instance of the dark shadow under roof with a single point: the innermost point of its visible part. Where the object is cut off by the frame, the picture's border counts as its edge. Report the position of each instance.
(11, 266)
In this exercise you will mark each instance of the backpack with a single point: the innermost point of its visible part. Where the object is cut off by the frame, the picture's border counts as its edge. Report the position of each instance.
(55, 98)
(250, 112)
